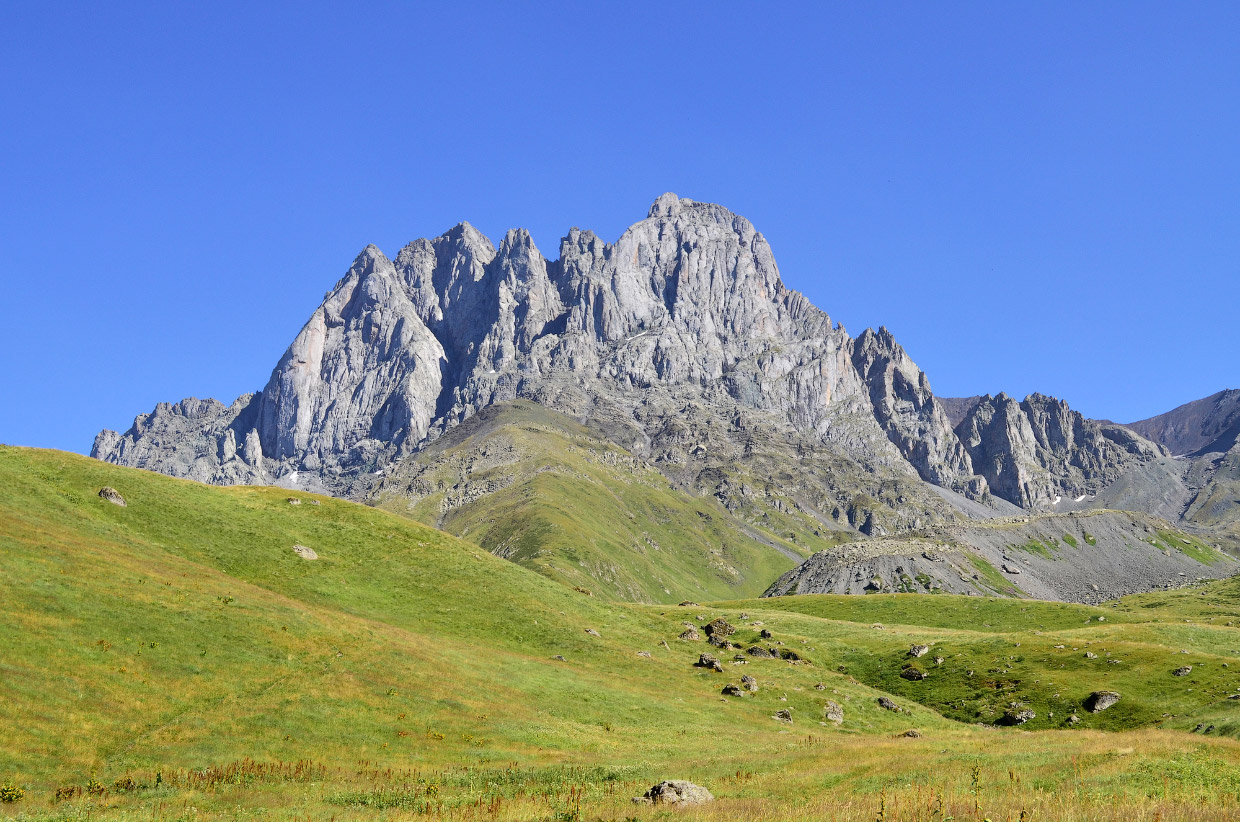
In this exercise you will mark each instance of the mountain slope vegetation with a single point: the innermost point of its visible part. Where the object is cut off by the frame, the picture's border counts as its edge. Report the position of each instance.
(177, 657)
(538, 488)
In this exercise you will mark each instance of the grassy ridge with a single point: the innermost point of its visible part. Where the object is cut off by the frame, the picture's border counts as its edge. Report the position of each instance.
(547, 494)
(169, 641)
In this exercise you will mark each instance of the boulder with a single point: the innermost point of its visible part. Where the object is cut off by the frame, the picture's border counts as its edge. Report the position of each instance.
(1183, 670)
(765, 634)
(884, 702)
(1017, 716)
(294, 501)
(749, 682)
(593, 632)
(718, 629)
(675, 792)
(909, 735)
(759, 652)
(304, 552)
(709, 662)
(833, 712)
(112, 495)
(783, 715)
(913, 674)
(918, 651)
(732, 690)
(690, 634)
(1099, 701)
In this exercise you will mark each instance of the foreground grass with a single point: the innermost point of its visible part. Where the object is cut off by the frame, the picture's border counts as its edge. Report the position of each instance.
(174, 659)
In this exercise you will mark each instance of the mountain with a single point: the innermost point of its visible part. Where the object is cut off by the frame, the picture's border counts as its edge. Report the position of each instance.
(1205, 425)
(678, 350)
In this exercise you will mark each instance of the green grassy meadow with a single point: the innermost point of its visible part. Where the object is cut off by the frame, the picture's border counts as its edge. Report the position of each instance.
(176, 660)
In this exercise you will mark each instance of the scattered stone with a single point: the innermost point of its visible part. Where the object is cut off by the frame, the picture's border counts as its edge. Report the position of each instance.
(314, 502)
(593, 632)
(690, 635)
(294, 501)
(833, 711)
(743, 616)
(646, 654)
(765, 634)
(1090, 655)
(1099, 701)
(918, 651)
(790, 655)
(909, 735)
(820, 687)
(783, 715)
(709, 662)
(1183, 670)
(1010, 569)
(1074, 720)
(938, 660)
(581, 590)
(688, 604)
(884, 702)
(559, 658)
(675, 792)
(732, 690)
(761, 653)
(913, 674)
(113, 496)
(718, 628)
(304, 552)
(749, 682)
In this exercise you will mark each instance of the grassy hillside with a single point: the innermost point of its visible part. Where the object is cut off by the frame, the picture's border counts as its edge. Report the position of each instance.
(175, 659)
(535, 487)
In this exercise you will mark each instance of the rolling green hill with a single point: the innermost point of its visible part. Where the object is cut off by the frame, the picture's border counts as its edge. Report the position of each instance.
(176, 659)
(535, 487)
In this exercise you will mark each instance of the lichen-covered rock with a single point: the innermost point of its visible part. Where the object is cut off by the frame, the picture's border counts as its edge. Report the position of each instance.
(1099, 701)
(675, 792)
(833, 712)
(113, 496)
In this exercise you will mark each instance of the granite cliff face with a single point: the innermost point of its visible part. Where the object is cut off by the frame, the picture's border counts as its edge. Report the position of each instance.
(679, 341)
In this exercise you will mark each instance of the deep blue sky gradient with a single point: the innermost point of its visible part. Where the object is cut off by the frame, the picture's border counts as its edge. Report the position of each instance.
(1032, 197)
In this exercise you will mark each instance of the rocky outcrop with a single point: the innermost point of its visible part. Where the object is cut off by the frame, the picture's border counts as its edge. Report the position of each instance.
(910, 415)
(1039, 452)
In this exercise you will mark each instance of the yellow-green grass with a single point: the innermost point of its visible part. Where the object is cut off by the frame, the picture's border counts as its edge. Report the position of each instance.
(162, 641)
(557, 499)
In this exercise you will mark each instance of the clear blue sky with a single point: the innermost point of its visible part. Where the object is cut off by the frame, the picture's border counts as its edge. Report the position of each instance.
(1033, 197)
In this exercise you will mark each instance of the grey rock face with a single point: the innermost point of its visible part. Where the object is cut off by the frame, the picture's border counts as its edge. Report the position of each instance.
(1039, 453)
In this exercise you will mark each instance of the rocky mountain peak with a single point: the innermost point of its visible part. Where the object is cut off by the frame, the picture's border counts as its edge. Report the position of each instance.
(686, 309)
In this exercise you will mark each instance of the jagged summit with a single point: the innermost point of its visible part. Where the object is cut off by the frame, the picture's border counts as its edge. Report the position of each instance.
(686, 309)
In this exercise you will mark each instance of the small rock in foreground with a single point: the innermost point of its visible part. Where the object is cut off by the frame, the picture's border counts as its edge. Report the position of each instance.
(675, 792)
(304, 552)
(112, 495)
